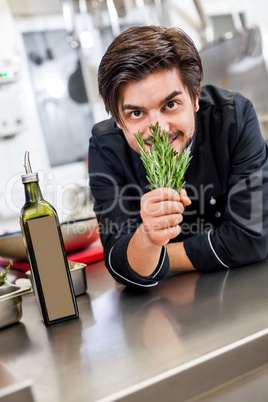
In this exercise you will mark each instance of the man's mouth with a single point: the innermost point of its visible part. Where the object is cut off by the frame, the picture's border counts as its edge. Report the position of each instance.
(147, 142)
(148, 145)
(172, 138)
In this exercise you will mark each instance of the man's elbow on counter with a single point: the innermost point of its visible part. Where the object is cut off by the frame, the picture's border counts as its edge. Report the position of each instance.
(250, 255)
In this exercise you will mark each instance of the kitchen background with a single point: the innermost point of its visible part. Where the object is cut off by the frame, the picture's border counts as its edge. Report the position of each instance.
(49, 55)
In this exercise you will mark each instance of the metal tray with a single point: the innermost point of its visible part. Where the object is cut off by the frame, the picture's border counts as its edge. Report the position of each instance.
(78, 275)
(11, 304)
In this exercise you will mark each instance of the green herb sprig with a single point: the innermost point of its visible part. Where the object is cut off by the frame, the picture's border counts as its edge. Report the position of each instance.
(3, 275)
(164, 166)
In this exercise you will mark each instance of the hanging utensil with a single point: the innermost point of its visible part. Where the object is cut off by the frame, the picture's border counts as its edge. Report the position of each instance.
(76, 85)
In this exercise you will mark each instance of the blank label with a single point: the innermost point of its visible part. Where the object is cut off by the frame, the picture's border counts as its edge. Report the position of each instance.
(51, 267)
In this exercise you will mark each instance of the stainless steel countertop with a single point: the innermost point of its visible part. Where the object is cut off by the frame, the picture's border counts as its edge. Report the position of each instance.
(190, 333)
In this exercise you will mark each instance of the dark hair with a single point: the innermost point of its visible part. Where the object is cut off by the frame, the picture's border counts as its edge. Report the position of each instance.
(140, 51)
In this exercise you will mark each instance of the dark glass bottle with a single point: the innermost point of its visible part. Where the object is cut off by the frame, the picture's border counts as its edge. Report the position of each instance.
(46, 253)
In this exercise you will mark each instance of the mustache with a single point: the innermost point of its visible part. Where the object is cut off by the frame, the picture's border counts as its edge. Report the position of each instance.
(172, 136)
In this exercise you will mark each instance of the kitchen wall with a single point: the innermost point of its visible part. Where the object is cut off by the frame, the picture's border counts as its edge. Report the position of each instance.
(14, 141)
(64, 185)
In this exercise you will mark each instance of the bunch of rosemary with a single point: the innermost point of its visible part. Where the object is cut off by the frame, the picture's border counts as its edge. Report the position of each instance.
(164, 166)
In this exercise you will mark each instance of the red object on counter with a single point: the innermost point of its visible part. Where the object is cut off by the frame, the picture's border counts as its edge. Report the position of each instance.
(92, 253)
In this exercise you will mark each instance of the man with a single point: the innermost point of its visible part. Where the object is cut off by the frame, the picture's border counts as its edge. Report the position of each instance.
(148, 75)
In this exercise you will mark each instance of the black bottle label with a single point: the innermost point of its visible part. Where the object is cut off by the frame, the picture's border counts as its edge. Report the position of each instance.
(50, 270)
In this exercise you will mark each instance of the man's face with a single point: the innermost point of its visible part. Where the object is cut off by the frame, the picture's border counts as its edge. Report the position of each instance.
(162, 98)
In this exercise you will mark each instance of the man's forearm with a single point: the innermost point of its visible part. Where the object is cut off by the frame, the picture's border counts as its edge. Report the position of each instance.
(143, 256)
(178, 259)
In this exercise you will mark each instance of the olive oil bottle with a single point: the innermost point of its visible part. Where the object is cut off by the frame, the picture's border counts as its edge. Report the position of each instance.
(46, 253)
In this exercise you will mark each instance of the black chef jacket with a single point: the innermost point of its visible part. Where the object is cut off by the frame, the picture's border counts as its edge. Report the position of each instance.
(227, 223)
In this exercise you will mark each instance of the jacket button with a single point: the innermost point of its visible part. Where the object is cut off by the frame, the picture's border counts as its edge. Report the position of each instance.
(212, 201)
(217, 214)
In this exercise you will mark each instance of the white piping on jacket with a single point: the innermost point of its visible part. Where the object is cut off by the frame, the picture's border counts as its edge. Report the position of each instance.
(128, 280)
(218, 258)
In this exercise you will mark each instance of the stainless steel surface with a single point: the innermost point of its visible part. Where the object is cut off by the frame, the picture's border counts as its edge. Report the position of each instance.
(78, 275)
(76, 236)
(173, 342)
(11, 304)
(248, 388)
(21, 392)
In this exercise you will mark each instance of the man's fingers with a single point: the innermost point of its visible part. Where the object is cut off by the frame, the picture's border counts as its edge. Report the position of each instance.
(161, 236)
(185, 200)
(161, 194)
(162, 208)
(159, 223)
(165, 194)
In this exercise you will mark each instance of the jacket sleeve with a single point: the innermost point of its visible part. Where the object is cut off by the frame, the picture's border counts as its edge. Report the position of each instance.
(117, 208)
(242, 238)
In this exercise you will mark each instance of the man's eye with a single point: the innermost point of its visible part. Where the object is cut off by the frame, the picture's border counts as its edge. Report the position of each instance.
(135, 114)
(171, 105)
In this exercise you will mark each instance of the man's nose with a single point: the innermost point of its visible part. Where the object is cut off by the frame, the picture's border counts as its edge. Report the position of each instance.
(161, 120)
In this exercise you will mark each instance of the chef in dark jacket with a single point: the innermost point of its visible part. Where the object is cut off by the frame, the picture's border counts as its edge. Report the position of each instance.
(220, 220)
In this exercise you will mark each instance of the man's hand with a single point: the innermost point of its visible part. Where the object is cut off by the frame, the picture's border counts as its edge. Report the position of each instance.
(161, 213)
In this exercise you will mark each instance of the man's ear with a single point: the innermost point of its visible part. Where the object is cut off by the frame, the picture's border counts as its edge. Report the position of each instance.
(196, 104)
(119, 125)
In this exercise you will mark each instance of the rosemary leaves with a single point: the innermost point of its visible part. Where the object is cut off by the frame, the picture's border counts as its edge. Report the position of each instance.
(3, 275)
(164, 166)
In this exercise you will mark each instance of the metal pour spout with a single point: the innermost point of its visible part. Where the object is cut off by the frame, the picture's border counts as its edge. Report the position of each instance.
(27, 164)
(29, 176)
